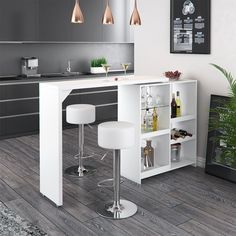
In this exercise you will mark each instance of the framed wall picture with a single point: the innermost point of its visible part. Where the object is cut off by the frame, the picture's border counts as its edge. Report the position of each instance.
(190, 26)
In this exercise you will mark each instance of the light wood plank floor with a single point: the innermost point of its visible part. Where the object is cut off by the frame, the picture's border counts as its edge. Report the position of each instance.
(183, 202)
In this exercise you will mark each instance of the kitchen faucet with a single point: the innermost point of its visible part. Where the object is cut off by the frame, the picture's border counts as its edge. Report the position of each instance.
(68, 69)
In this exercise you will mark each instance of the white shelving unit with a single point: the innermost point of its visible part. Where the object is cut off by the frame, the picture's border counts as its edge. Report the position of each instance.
(130, 109)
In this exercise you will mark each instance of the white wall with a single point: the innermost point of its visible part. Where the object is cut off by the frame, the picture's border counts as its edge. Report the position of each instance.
(152, 54)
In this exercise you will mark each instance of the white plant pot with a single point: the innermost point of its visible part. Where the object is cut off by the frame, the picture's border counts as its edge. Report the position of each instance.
(96, 70)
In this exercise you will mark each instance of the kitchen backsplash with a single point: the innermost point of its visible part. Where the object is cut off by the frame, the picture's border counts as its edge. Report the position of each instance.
(53, 57)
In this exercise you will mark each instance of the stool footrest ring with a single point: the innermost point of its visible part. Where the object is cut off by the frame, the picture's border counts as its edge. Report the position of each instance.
(105, 183)
(86, 156)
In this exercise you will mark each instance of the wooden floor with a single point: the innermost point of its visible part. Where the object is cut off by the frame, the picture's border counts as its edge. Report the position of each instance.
(182, 202)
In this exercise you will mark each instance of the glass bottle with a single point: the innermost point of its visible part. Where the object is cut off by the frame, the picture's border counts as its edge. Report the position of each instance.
(148, 155)
(154, 120)
(178, 103)
(173, 106)
(149, 121)
(144, 123)
(149, 99)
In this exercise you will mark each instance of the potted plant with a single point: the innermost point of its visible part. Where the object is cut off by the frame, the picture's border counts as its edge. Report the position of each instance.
(222, 124)
(96, 65)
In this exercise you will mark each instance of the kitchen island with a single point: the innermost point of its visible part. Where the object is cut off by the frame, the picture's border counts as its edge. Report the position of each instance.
(52, 95)
(19, 102)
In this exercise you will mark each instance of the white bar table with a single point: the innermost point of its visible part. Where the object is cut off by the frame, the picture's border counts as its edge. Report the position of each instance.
(52, 95)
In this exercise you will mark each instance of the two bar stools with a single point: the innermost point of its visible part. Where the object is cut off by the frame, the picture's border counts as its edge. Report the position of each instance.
(115, 135)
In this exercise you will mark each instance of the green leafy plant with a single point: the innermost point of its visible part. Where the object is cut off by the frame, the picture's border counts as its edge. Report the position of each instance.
(224, 122)
(98, 62)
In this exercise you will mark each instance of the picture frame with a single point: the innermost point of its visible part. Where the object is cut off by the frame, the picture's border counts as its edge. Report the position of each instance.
(190, 26)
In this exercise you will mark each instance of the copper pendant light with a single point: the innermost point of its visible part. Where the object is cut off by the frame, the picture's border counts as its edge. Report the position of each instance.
(77, 16)
(108, 17)
(135, 18)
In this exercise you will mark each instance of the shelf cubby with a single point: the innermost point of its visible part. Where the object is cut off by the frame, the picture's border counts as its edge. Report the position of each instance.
(188, 95)
(188, 125)
(187, 153)
(161, 154)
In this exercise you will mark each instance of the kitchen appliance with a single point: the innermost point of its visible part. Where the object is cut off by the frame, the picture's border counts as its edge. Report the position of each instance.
(29, 67)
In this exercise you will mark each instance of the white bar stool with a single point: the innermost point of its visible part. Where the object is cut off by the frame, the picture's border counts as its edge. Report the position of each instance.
(116, 135)
(80, 114)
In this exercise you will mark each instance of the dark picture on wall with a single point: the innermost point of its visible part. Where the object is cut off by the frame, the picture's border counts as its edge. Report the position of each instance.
(190, 26)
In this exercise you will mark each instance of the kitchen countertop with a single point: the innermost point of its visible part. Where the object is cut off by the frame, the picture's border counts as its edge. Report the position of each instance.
(22, 80)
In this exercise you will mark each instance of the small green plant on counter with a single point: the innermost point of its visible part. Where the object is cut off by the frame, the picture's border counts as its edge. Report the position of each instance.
(224, 122)
(98, 62)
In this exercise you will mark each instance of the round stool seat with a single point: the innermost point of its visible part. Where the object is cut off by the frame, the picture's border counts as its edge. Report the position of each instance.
(80, 114)
(116, 135)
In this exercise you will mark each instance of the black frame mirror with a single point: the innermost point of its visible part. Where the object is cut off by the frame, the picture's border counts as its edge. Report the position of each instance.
(213, 165)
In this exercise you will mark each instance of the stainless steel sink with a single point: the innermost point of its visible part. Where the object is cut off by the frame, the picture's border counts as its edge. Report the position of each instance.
(65, 74)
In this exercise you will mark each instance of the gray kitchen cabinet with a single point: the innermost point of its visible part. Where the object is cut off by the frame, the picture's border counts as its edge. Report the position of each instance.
(19, 107)
(50, 21)
(121, 30)
(54, 20)
(19, 20)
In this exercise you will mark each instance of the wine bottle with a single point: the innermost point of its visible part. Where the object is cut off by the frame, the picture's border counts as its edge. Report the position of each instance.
(154, 120)
(185, 133)
(178, 102)
(173, 106)
(175, 134)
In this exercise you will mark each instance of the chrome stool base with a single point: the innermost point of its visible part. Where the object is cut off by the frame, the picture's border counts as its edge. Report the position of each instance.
(125, 210)
(80, 172)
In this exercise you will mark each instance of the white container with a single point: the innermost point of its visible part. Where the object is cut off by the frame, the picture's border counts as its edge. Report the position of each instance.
(97, 70)
(175, 152)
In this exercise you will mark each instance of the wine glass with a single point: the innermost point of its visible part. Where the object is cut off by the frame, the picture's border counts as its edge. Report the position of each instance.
(125, 66)
(106, 67)
(143, 97)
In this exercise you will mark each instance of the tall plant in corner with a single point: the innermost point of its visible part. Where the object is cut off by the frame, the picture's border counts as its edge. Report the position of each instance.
(224, 122)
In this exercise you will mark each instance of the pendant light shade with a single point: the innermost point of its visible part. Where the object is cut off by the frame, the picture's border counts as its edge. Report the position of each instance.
(77, 16)
(108, 17)
(135, 18)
